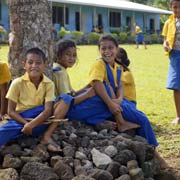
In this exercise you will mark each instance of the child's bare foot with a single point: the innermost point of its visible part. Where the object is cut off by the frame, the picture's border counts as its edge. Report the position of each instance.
(176, 121)
(126, 126)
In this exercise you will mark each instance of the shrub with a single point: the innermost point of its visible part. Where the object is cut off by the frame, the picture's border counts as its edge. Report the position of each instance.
(77, 34)
(123, 37)
(2, 31)
(63, 32)
(93, 37)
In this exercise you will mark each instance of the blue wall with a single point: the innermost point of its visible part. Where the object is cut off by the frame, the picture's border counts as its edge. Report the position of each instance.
(4, 16)
(88, 18)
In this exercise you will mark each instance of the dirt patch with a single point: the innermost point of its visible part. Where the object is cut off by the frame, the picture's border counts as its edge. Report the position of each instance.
(174, 163)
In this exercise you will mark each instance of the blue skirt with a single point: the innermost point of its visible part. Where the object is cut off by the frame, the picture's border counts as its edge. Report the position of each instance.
(94, 111)
(139, 38)
(12, 129)
(173, 80)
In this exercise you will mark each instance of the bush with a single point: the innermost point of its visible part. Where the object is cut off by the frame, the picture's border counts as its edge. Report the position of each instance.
(77, 34)
(2, 31)
(63, 32)
(93, 37)
(123, 37)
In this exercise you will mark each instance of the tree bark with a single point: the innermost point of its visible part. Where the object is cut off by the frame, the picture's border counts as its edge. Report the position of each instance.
(30, 24)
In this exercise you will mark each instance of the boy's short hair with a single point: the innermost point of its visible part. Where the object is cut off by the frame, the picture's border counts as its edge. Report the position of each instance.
(36, 51)
(171, 1)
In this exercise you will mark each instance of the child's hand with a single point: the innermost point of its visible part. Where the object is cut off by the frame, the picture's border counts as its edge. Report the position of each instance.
(166, 46)
(27, 129)
(117, 101)
(114, 108)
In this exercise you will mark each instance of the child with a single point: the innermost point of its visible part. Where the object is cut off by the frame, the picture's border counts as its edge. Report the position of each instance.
(130, 90)
(66, 58)
(139, 36)
(29, 96)
(5, 78)
(129, 84)
(171, 33)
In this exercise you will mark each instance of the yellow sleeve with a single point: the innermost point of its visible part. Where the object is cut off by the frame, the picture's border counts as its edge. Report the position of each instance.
(5, 75)
(62, 83)
(165, 29)
(14, 90)
(49, 92)
(98, 71)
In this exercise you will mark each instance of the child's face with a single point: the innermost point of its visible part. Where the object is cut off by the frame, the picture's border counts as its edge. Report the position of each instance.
(108, 51)
(68, 58)
(175, 7)
(34, 65)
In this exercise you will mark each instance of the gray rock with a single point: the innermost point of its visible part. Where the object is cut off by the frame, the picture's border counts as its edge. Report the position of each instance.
(102, 175)
(123, 170)
(133, 164)
(124, 177)
(101, 160)
(82, 177)
(37, 171)
(113, 168)
(63, 171)
(136, 174)
(12, 162)
(9, 174)
(111, 151)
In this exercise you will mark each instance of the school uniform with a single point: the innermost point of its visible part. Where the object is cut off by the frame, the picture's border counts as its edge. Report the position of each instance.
(139, 35)
(30, 103)
(171, 31)
(61, 80)
(5, 75)
(94, 110)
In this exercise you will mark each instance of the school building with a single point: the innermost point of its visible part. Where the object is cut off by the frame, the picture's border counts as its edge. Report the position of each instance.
(112, 15)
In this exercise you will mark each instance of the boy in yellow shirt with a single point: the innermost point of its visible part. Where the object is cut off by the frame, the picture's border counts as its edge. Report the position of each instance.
(30, 100)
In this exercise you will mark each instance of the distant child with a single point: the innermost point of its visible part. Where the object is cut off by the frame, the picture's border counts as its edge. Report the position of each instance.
(171, 33)
(139, 36)
(30, 99)
(5, 78)
(66, 58)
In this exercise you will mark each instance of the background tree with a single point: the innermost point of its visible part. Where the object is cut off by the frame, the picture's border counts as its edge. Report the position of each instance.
(30, 24)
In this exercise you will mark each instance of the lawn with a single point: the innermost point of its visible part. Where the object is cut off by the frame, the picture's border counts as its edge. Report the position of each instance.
(150, 71)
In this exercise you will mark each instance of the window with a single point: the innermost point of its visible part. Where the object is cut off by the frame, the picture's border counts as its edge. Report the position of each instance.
(67, 15)
(58, 15)
(115, 19)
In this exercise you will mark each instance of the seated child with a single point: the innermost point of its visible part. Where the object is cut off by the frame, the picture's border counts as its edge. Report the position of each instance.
(130, 91)
(5, 78)
(30, 99)
(66, 58)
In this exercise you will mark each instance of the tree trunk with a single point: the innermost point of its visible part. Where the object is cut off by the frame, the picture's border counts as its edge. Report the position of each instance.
(30, 23)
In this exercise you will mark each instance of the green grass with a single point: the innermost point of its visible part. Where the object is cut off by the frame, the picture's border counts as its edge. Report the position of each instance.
(149, 68)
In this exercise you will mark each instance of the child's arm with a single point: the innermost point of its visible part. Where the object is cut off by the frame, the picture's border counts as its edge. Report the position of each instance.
(166, 45)
(3, 90)
(119, 94)
(83, 96)
(48, 107)
(101, 91)
(14, 114)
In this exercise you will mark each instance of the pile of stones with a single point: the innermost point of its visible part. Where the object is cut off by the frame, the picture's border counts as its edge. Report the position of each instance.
(88, 154)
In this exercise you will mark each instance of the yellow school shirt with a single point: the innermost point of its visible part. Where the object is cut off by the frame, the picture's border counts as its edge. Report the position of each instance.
(98, 72)
(23, 92)
(137, 29)
(129, 86)
(61, 80)
(5, 75)
(169, 31)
